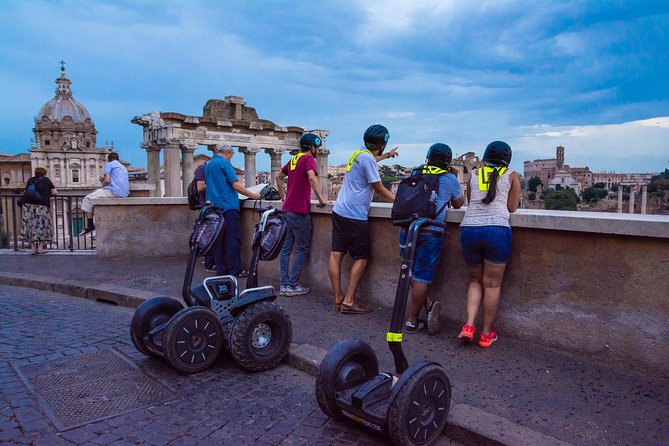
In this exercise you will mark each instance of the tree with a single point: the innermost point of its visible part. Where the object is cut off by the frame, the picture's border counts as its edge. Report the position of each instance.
(533, 182)
(600, 185)
(593, 194)
(532, 196)
(561, 200)
(545, 193)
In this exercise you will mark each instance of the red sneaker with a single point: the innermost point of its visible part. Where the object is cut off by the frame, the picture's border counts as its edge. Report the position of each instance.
(486, 341)
(467, 333)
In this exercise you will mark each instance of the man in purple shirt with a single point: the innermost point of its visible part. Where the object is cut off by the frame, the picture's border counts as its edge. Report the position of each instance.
(302, 179)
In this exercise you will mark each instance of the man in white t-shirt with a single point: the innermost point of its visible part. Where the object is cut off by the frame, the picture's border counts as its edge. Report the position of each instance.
(350, 227)
(115, 184)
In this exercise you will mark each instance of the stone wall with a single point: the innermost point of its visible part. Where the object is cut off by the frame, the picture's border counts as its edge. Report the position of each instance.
(595, 283)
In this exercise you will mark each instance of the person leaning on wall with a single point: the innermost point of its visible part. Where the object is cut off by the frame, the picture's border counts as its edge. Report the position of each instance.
(485, 236)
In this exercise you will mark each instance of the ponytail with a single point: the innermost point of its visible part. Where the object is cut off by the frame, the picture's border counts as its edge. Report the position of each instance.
(492, 188)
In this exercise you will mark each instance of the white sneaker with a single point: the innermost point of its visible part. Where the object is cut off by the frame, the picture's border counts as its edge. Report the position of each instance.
(282, 290)
(296, 290)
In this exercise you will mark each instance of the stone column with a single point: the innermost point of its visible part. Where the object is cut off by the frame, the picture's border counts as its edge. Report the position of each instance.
(620, 199)
(632, 193)
(275, 165)
(249, 165)
(322, 162)
(644, 198)
(322, 166)
(153, 168)
(187, 169)
(172, 170)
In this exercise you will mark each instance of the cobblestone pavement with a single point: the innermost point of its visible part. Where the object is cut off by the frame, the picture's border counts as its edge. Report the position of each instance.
(583, 399)
(223, 405)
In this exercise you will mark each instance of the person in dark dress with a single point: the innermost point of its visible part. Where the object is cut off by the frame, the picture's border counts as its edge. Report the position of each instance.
(35, 215)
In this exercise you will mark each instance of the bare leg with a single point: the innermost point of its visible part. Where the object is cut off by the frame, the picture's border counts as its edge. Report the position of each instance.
(418, 298)
(357, 271)
(493, 273)
(474, 293)
(33, 247)
(334, 271)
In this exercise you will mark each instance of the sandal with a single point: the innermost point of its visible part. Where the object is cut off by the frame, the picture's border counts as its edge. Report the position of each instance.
(336, 306)
(242, 274)
(356, 308)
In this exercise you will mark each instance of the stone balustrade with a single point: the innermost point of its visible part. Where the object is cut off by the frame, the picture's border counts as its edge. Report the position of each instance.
(594, 283)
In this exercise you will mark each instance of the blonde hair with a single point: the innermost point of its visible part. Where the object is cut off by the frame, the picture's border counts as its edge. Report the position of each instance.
(40, 171)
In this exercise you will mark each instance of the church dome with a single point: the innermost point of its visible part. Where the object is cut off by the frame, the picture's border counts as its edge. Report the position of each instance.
(64, 105)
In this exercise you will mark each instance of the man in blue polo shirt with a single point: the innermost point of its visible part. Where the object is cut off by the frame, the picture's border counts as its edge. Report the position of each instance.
(222, 187)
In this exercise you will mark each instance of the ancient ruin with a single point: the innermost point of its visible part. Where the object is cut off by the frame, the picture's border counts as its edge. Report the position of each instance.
(227, 121)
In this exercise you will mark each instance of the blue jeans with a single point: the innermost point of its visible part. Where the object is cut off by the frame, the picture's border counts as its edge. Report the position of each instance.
(228, 253)
(299, 232)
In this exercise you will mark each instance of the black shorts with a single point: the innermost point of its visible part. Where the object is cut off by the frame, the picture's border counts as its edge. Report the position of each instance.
(352, 236)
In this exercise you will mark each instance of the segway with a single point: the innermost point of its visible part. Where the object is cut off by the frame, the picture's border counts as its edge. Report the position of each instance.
(256, 331)
(411, 405)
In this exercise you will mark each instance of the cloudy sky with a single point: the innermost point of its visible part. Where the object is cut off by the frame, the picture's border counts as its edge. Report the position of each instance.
(588, 75)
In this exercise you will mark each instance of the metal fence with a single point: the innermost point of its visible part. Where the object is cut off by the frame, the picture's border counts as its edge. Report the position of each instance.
(67, 220)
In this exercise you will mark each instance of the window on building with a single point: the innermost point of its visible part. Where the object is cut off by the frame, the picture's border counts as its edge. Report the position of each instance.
(47, 142)
(6, 180)
(75, 176)
(88, 144)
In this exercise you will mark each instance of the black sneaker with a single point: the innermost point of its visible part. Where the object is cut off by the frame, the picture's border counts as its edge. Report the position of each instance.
(413, 328)
(433, 318)
(85, 231)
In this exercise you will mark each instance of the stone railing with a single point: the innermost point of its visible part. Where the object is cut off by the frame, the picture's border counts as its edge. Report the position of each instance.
(595, 283)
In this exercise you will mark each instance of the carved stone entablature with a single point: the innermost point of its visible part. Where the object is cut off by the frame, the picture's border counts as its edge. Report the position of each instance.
(228, 121)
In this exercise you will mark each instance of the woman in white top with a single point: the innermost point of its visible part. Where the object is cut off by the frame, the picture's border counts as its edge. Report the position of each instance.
(485, 236)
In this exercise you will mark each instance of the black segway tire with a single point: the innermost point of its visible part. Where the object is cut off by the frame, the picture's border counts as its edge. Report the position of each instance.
(260, 336)
(193, 339)
(149, 315)
(348, 364)
(419, 412)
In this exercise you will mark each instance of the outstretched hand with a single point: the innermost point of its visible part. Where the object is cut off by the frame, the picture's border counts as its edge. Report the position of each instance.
(393, 153)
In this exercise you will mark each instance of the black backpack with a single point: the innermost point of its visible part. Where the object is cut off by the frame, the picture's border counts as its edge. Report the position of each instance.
(416, 197)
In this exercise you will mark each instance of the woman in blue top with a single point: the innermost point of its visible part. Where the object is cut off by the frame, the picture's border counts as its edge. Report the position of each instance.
(431, 240)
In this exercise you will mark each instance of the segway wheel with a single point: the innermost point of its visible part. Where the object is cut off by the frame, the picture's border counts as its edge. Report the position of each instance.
(348, 364)
(418, 414)
(260, 336)
(150, 314)
(193, 339)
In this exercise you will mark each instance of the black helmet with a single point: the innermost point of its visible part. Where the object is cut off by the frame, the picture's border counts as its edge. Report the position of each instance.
(376, 137)
(440, 155)
(497, 154)
(309, 139)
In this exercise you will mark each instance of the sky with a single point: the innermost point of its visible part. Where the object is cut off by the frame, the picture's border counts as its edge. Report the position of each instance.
(588, 75)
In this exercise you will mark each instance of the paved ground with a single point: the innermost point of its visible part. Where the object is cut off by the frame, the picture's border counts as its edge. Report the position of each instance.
(223, 405)
(575, 398)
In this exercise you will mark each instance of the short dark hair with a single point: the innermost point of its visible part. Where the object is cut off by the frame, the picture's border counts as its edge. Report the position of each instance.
(112, 156)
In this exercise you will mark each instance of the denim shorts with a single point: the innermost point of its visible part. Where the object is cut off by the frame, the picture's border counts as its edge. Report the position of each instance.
(479, 243)
(428, 255)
